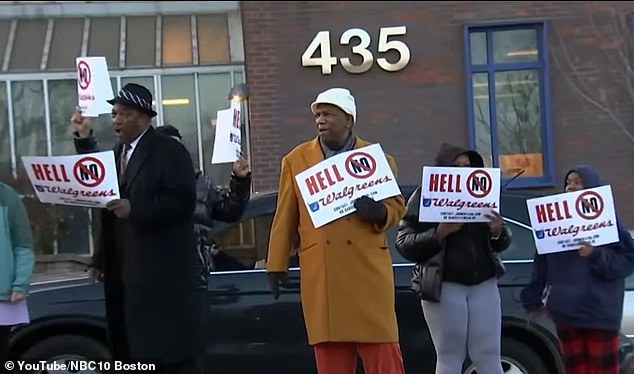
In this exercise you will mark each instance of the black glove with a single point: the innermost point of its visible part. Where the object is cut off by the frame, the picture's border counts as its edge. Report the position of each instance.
(277, 278)
(371, 210)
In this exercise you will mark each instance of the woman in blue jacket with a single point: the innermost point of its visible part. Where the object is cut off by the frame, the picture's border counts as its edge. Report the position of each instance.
(16, 264)
(584, 293)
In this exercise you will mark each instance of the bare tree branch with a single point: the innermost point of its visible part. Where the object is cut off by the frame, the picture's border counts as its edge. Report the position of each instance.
(578, 86)
(621, 61)
(623, 29)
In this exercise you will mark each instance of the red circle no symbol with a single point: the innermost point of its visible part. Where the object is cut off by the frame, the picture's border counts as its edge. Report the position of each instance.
(479, 184)
(584, 201)
(357, 168)
(84, 76)
(87, 176)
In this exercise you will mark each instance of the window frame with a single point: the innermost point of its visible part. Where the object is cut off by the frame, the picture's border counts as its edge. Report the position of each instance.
(235, 70)
(542, 65)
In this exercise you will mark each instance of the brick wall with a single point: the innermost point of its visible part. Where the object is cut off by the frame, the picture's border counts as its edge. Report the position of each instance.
(412, 111)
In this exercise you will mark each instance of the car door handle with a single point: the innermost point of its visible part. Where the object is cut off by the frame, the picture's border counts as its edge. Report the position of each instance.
(224, 290)
(290, 285)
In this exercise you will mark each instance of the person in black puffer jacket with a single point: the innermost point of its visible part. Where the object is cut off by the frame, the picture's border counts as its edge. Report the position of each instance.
(215, 204)
(466, 319)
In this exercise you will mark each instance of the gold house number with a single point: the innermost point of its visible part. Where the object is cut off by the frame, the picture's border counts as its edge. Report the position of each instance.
(321, 42)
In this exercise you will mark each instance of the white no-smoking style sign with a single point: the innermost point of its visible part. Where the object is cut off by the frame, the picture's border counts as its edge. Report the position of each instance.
(330, 188)
(83, 74)
(562, 222)
(479, 184)
(93, 86)
(589, 205)
(89, 171)
(88, 180)
(360, 165)
(452, 194)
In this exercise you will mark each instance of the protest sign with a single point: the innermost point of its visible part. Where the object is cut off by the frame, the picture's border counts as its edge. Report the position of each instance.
(330, 188)
(453, 194)
(228, 139)
(88, 180)
(561, 222)
(93, 86)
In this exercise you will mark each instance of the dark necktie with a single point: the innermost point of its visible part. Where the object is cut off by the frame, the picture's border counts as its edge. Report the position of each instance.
(124, 159)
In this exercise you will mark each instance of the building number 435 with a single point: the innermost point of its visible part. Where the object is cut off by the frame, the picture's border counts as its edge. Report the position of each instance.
(321, 41)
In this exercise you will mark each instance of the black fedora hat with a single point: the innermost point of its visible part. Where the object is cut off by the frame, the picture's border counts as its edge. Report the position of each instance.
(135, 96)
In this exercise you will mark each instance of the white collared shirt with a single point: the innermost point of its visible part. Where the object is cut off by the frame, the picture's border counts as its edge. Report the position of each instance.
(131, 147)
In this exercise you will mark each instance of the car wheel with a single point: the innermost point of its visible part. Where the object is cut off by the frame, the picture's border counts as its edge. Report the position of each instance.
(63, 348)
(517, 358)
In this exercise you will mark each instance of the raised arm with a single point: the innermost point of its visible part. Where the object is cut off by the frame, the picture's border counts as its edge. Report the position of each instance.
(228, 206)
(84, 141)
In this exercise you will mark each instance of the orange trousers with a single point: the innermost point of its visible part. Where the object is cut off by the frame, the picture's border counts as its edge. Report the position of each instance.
(341, 358)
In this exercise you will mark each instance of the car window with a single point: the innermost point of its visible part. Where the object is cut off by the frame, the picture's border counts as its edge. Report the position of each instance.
(522, 246)
(391, 240)
(629, 281)
(243, 246)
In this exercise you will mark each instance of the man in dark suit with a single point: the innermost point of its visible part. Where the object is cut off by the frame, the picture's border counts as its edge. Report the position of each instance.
(146, 248)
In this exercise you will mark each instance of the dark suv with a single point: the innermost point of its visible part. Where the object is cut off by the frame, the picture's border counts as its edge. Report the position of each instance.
(249, 332)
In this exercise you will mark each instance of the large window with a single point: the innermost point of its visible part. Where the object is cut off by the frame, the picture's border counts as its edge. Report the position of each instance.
(35, 122)
(179, 110)
(214, 100)
(5, 136)
(63, 93)
(507, 95)
(210, 88)
(102, 125)
(51, 44)
(186, 61)
(29, 123)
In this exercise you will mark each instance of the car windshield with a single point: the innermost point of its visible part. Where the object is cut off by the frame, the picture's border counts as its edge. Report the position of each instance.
(244, 245)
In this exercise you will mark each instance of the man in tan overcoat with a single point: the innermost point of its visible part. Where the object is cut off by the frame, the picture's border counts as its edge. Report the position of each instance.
(347, 282)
